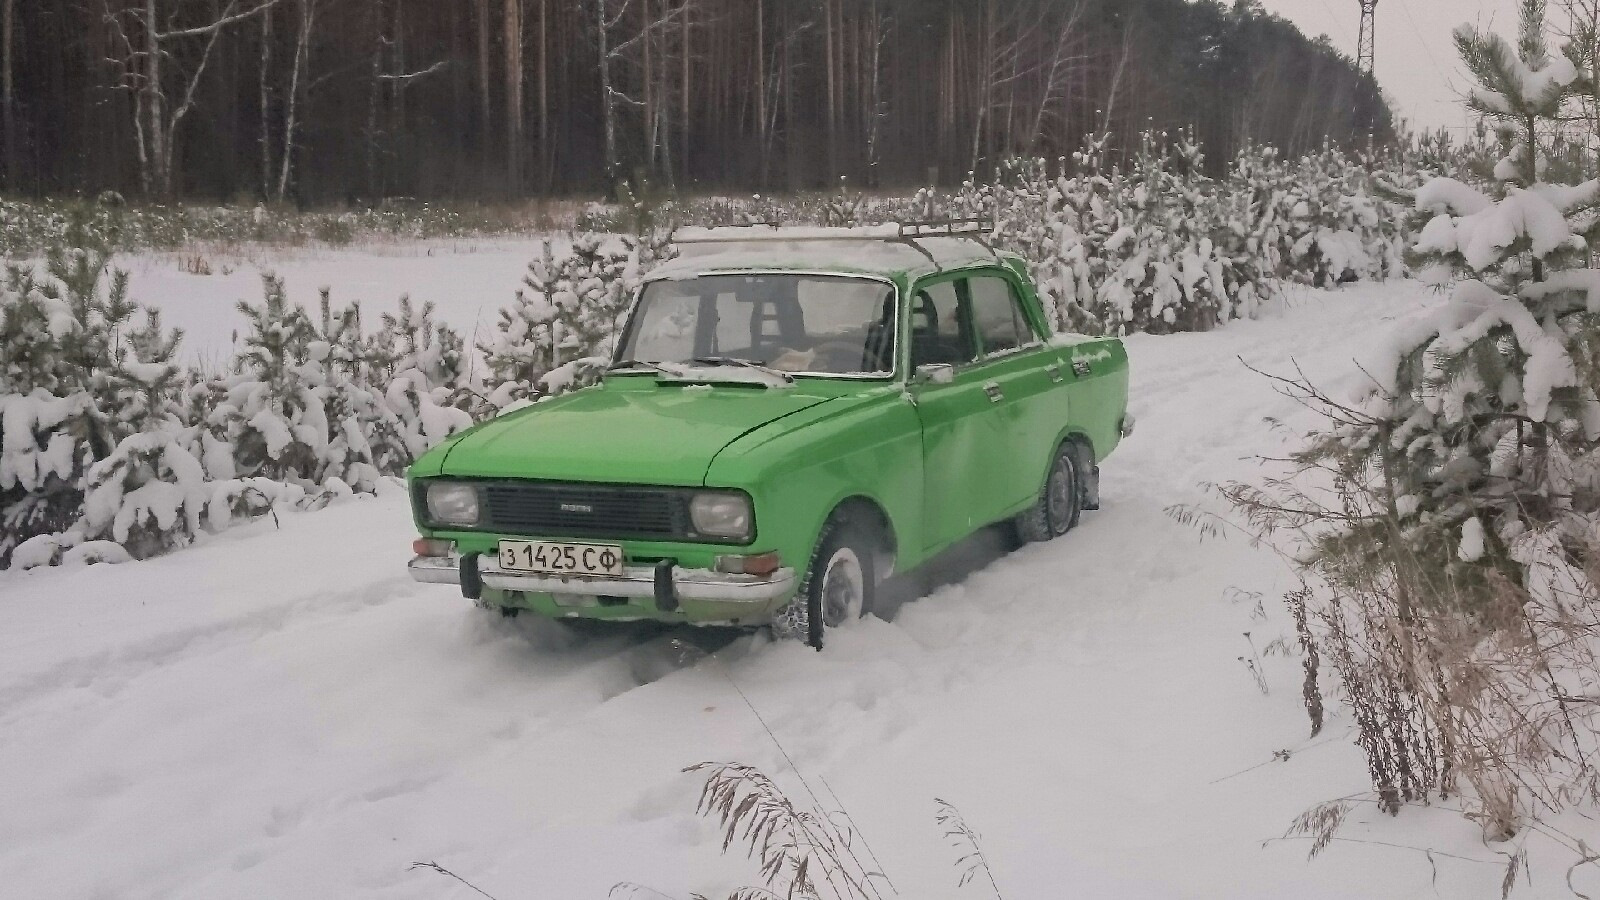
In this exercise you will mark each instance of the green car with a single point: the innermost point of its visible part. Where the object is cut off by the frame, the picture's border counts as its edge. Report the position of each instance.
(791, 415)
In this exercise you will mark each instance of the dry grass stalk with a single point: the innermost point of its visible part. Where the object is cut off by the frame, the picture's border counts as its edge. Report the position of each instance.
(435, 867)
(972, 861)
(802, 853)
(1462, 676)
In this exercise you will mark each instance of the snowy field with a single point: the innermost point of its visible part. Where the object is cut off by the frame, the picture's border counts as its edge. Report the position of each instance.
(468, 280)
(281, 713)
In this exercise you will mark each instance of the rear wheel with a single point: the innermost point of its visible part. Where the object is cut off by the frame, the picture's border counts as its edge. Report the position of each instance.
(839, 586)
(1060, 502)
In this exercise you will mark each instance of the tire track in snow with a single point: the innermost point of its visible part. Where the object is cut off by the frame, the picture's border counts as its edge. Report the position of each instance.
(108, 672)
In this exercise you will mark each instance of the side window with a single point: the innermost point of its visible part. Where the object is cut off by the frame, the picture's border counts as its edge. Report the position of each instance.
(937, 333)
(997, 315)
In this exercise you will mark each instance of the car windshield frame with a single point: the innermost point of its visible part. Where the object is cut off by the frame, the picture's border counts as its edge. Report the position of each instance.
(624, 339)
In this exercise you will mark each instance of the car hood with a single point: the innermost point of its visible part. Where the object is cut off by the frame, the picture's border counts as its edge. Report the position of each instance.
(649, 434)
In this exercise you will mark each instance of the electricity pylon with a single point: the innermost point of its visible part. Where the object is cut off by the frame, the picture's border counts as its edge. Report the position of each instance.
(1364, 52)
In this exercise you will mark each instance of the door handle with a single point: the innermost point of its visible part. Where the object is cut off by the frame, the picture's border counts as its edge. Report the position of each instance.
(993, 390)
(1054, 371)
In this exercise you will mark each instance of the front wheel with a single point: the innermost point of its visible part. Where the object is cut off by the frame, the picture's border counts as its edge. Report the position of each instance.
(1060, 502)
(839, 586)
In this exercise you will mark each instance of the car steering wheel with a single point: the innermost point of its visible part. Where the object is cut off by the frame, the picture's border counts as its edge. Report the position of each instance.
(839, 356)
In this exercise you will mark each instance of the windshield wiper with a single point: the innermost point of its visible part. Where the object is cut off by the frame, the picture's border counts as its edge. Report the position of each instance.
(748, 364)
(637, 364)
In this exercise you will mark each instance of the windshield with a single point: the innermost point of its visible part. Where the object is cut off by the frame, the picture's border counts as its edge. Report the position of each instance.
(803, 324)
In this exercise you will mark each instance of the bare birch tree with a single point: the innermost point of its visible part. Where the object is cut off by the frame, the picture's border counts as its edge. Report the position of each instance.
(146, 34)
(613, 54)
(8, 93)
(515, 142)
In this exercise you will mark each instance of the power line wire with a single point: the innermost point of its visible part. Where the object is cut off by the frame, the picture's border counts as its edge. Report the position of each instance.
(1406, 8)
(1338, 23)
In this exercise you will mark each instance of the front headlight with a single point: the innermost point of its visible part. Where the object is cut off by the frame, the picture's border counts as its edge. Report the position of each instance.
(452, 503)
(721, 515)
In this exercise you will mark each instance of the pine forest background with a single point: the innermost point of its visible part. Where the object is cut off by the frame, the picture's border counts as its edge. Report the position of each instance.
(322, 102)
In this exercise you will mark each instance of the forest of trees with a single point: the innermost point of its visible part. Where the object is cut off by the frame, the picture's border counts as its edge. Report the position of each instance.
(317, 101)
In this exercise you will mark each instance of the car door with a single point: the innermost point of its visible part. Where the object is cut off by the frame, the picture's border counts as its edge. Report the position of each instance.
(1028, 383)
(963, 435)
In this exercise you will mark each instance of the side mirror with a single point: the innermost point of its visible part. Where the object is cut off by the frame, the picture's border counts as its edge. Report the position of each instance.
(934, 373)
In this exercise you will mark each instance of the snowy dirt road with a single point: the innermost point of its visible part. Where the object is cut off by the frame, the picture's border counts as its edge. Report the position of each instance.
(282, 714)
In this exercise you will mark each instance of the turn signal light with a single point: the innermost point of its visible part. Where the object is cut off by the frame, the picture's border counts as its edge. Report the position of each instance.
(432, 547)
(760, 565)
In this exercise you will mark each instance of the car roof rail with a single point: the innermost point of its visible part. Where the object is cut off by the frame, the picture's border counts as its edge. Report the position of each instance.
(972, 227)
(774, 232)
(900, 232)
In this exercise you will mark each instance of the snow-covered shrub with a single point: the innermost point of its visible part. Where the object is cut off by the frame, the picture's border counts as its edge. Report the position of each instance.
(149, 493)
(276, 421)
(310, 401)
(570, 309)
(58, 333)
(1156, 248)
(29, 227)
(430, 384)
(348, 366)
(149, 496)
(1446, 518)
(1318, 219)
(242, 499)
(1153, 243)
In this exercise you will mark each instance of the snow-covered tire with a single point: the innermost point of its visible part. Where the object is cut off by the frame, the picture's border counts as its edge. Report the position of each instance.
(1060, 502)
(840, 584)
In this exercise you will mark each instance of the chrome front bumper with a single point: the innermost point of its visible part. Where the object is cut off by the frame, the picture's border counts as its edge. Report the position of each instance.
(636, 582)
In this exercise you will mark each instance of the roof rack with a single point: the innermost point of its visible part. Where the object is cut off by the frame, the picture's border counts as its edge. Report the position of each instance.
(908, 233)
(889, 231)
(974, 228)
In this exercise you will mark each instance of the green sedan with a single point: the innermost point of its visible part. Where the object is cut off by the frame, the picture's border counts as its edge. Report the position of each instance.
(790, 415)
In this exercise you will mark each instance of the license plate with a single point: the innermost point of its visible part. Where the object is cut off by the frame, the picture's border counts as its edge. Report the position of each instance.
(560, 559)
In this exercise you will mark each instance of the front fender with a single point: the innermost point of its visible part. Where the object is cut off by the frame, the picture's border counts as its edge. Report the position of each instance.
(798, 471)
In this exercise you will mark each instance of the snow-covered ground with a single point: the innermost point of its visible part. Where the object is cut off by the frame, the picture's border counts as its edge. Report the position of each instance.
(283, 714)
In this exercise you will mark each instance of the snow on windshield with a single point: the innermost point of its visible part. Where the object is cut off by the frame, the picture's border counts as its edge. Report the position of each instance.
(802, 324)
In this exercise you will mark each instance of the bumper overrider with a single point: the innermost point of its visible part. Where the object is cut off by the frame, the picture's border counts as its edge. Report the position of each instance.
(665, 586)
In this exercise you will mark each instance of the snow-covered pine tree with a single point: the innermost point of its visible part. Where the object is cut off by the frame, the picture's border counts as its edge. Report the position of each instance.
(351, 365)
(415, 340)
(277, 423)
(1448, 527)
(150, 494)
(145, 382)
(428, 385)
(1156, 267)
(1486, 425)
(567, 316)
(57, 332)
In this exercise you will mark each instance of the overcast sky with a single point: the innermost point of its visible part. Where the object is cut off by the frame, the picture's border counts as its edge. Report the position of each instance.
(1416, 60)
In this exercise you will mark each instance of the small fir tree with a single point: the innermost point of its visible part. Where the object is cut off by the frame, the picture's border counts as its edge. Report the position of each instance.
(1444, 521)
(1486, 424)
(58, 334)
(429, 385)
(277, 423)
(569, 312)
